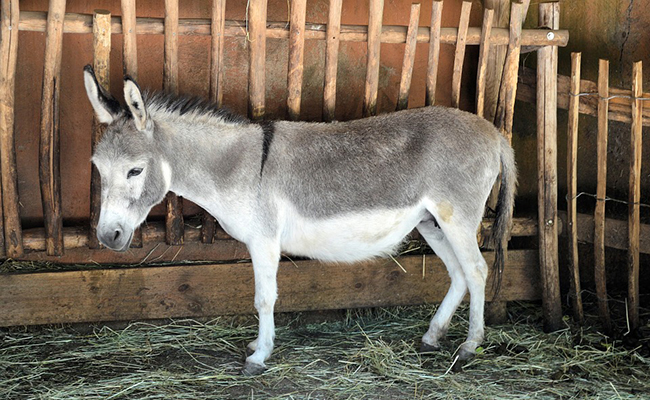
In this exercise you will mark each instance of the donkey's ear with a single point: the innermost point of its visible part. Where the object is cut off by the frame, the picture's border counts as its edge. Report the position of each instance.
(106, 107)
(133, 97)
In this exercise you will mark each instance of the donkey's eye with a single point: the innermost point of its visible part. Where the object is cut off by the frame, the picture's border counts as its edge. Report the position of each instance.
(134, 172)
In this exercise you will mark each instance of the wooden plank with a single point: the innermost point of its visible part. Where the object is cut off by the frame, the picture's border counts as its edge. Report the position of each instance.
(49, 154)
(174, 204)
(409, 58)
(257, 45)
(634, 216)
(434, 52)
(296, 56)
(331, 59)
(484, 53)
(101, 66)
(496, 58)
(459, 57)
(209, 290)
(549, 16)
(599, 214)
(11, 242)
(375, 17)
(81, 23)
(572, 188)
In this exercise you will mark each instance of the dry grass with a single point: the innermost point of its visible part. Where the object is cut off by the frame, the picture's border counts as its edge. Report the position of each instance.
(360, 354)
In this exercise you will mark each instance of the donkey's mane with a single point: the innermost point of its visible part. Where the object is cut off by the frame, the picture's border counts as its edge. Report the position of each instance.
(191, 107)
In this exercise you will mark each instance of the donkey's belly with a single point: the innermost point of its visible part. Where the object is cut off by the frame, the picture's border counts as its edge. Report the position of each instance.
(350, 237)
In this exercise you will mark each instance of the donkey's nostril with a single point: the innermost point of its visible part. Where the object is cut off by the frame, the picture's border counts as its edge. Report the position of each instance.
(118, 233)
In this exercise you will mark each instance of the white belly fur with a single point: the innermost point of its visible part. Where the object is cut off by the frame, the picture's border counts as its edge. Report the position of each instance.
(351, 237)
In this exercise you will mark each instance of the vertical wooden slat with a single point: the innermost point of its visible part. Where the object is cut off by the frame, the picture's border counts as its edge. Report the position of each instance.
(257, 43)
(130, 66)
(459, 58)
(331, 59)
(11, 242)
(296, 54)
(49, 149)
(174, 226)
(217, 32)
(507, 94)
(484, 52)
(434, 52)
(634, 222)
(101, 65)
(409, 58)
(549, 16)
(601, 192)
(375, 16)
(572, 187)
(497, 55)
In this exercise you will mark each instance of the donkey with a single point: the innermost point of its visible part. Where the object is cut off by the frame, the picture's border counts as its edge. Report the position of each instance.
(342, 191)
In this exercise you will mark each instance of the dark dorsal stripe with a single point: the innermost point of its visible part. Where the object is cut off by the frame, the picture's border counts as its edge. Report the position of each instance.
(268, 131)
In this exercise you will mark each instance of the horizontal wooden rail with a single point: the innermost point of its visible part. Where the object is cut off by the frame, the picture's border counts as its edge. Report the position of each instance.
(209, 290)
(82, 23)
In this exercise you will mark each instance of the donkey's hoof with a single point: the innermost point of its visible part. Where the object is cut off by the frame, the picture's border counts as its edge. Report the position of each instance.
(252, 369)
(458, 365)
(463, 357)
(427, 348)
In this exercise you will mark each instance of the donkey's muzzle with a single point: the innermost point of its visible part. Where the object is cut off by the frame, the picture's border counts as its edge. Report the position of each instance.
(115, 238)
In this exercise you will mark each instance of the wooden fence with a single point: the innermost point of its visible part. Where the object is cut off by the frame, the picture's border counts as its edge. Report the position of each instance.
(212, 289)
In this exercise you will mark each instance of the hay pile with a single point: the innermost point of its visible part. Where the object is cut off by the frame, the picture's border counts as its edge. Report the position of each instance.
(359, 354)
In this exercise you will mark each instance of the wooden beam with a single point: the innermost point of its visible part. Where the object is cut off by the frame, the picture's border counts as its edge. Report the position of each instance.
(331, 59)
(434, 52)
(496, 57)
(549, 16)
(375, 17)
(257, 45)
(459, 58)
(484, 53)
(101, 66)
(296, 57)
(409, 58)
(11, 242)
(209, 290)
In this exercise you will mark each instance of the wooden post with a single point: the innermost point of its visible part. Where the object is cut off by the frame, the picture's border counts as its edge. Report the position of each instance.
(296, 55)
(496, 58)
(101, 66)
(549, 16)
(572, 187)
(174, 218)
(486, 30)
(434, 52)
(257, 43)
(331, 59)
(11, 241)
(409, 58)
(217, 31)
(459, 58)
(49, 149)
(634, 215)
(601, 193)
(372, 68)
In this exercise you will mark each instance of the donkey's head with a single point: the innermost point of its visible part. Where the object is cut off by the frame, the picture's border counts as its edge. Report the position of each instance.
(134, 175)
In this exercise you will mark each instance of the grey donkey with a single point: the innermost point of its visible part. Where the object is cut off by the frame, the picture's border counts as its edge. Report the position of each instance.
(342, 192)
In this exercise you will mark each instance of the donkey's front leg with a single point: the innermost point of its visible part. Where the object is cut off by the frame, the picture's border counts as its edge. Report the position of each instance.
(265, 255)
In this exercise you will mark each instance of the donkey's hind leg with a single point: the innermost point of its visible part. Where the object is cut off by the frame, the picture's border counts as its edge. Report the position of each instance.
(440, 322)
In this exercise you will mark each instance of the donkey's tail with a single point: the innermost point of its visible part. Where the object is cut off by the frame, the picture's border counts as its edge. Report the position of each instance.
(504, 208)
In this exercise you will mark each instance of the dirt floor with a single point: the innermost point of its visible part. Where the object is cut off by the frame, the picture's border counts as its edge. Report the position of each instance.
(357, 354)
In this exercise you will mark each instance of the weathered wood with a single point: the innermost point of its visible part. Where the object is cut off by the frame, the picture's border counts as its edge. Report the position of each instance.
(601, 192)
(375, 17)
(434, 52)
(296, 56)
(459, 57)
(101, 66)
(549, 16)
(572, 188)
(496, 58)
(49, 148)
(257, 45)
(11, 243)
(82, 23)
(409, 58)
(174, 217)
(634, 221)
(331, 59)
(128, 30)
(208, 290)
(484, 53)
